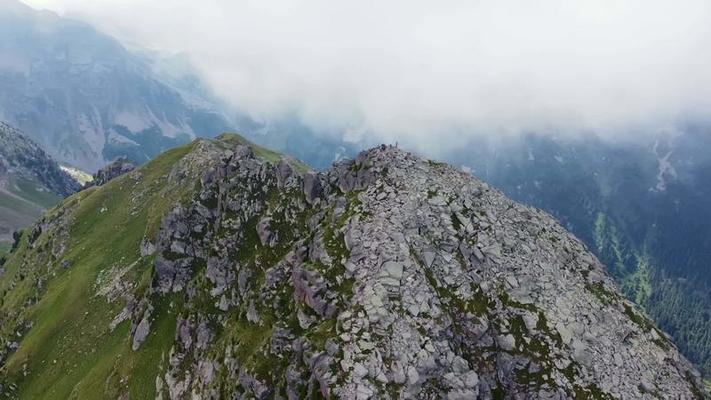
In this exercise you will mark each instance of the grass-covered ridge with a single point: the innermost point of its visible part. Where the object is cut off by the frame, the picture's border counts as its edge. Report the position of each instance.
(262, 152)
(57, 300)
(67, 350)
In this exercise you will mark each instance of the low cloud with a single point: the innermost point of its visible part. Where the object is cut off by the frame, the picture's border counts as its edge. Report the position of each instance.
(432, 73)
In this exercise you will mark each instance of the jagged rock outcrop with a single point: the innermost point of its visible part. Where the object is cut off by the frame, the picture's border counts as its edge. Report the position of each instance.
(434, 285)
(114, 169)
(388, 276)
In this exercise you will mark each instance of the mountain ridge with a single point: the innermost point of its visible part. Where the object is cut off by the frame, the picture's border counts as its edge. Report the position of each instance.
(653, 241)
(30, 181)
(237, 271)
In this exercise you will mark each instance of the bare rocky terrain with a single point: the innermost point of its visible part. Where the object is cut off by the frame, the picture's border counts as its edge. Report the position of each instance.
(239, 273)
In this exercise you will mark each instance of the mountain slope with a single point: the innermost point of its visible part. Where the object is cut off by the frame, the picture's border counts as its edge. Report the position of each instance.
(221, 269)
(642, 207)
(84, 97)
(30, 182)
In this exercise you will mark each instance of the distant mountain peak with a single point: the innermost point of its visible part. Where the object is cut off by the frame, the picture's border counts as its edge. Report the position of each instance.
(87, 100)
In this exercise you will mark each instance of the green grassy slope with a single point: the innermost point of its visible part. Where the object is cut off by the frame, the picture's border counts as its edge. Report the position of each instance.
(15, 212)
(22, 201)
(33, 193)
(69, 351)
(19, 205)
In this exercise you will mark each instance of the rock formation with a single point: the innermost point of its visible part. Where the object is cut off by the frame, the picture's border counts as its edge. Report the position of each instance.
(388, 276)
(116, 168)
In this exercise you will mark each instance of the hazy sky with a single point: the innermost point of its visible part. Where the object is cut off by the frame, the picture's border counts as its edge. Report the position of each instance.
(423, 69)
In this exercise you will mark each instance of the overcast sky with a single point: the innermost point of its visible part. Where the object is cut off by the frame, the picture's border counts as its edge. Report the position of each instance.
(420, 69)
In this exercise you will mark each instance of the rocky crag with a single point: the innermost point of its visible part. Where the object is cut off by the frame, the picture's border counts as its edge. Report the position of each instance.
(233, 272)
(114, 169)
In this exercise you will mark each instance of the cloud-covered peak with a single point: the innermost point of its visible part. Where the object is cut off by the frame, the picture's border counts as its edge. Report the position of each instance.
(418, 71)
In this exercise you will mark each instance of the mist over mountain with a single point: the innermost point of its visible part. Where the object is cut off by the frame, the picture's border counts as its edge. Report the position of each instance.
(432, 76)
(84, 97)
(596, 113)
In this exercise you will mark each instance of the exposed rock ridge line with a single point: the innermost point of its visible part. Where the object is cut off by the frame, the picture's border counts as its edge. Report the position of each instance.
(423, 281)
(114, 169)
(387, 276)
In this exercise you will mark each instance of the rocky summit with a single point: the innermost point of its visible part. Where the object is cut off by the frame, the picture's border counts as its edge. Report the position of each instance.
(224, 270)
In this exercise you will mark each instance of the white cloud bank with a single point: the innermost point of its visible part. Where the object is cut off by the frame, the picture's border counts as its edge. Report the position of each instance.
(426, 71)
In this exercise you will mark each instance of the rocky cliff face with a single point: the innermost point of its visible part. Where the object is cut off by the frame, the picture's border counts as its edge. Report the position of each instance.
(241, 274)
(114, 169)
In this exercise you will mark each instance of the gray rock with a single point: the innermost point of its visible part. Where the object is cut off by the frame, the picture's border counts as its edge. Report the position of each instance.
(113, 170)
(141, 333)
(403, 278)
(265, 236)
(147, 248)
(393, 269)
(284, 171)
(506, 342)
(312, 187)
(565, 334)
